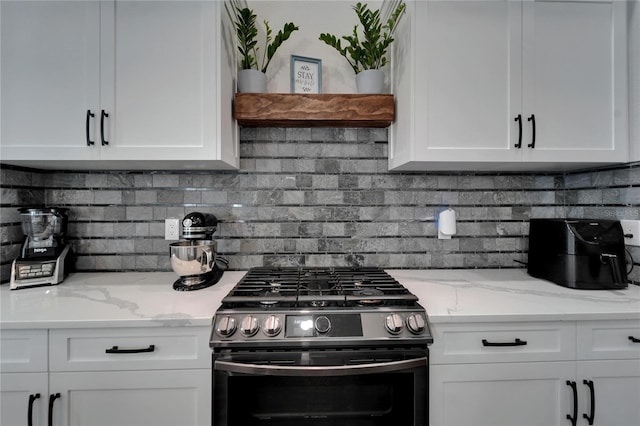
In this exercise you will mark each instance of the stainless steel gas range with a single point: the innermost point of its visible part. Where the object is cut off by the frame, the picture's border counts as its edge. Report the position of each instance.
(320, 346)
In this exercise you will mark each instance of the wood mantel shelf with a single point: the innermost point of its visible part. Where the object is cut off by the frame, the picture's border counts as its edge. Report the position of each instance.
(313, 110)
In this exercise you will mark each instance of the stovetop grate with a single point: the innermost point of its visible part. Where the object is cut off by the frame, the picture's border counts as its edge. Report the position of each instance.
(318, 287)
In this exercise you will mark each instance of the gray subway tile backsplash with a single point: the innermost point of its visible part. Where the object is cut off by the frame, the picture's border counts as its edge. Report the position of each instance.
(313, 196)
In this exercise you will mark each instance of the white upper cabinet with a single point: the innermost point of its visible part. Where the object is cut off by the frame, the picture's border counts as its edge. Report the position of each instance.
(125, 84)
(478, 82)
(50, 75)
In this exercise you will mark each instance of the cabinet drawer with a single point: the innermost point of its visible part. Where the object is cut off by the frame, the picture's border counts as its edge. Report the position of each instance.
(23, 351)
(609, 339)
(493, 342)
(129, 349)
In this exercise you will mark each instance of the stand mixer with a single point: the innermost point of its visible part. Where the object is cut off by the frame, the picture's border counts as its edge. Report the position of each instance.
(46, 257)
(194, 258)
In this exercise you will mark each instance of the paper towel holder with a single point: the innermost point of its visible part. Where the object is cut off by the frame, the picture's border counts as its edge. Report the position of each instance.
(446, 224)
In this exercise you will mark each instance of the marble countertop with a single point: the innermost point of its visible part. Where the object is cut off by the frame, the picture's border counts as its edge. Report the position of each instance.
(140, 299)
(500, 295)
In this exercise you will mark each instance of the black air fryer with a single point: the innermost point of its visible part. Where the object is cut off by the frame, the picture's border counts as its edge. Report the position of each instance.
(578, 253)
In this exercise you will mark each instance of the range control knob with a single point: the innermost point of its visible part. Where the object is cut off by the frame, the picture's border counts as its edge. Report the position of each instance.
(416, 323)
(323, 324)
(249, 326)
(226, 326)
(394, 324)
(271, 326)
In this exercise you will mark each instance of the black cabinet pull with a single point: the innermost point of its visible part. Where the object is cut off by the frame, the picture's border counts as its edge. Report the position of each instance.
(634, 339)
(102, 116)
(519, 120)
(574, 419)
(116, 350)
(516, 342)
(592, 412)
(52, 399)
(89, 116)
(533, 131)
(32, 399)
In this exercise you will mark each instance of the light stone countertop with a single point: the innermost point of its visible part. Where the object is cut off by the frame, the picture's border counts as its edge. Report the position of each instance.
(501, 295)
(141, 299)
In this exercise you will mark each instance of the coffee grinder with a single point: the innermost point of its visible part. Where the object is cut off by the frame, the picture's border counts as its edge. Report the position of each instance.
(46, 257)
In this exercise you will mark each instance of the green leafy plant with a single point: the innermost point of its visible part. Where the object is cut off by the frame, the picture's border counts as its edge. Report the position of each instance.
(247, 33)
(371, 51)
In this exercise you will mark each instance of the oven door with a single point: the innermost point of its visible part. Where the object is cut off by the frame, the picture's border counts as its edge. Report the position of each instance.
(320, 388)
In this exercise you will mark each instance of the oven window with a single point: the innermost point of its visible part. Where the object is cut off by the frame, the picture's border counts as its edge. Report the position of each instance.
(377, 399)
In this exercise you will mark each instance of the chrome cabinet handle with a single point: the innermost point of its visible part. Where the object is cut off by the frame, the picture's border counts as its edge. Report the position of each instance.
(103, 114)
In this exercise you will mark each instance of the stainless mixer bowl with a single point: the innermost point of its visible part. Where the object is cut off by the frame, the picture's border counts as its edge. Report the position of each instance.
(41, 224)
(192, 258)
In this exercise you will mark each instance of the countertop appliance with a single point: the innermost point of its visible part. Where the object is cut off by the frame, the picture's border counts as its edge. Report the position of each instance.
(578, 253)
(194, 258)
(45, 257)
(320, 346)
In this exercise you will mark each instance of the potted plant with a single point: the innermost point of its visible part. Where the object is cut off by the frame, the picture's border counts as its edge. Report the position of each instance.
(367, 55)
(253, 66)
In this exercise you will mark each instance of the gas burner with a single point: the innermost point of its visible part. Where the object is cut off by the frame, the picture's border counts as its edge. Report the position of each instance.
(318, 303)
(368, 292)
(370, 296)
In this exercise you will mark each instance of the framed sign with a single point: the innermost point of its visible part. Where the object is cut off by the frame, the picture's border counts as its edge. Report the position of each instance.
(306, 75)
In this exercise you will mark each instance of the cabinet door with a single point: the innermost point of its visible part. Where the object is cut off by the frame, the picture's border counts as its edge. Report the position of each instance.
(616, 387)
(501, 394)
(132, 398)
(159, 80)
(459, 65)
(15, 392)
(575, 80)
(50, 78)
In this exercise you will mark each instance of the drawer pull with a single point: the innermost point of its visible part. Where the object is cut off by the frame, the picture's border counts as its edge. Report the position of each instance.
(116, 350)
(32, 399)
(516, 342)
(634, 339)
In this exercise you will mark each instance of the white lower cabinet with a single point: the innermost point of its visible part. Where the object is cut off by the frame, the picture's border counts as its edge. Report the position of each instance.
(140, 398)
(542, 373)
(609, 357)
(616, 392)
(500, 394)
(93, 377)
(23, 396)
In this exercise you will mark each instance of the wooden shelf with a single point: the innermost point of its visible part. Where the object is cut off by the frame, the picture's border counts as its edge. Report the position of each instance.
(313, 110)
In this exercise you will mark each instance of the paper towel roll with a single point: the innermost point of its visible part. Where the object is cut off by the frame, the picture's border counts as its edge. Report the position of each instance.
(446, 224)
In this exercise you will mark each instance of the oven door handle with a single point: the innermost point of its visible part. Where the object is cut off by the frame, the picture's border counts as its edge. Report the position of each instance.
(301, 370)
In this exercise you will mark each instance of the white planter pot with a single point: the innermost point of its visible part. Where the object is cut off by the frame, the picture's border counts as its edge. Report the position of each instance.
(252, 81)
(370, 81)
